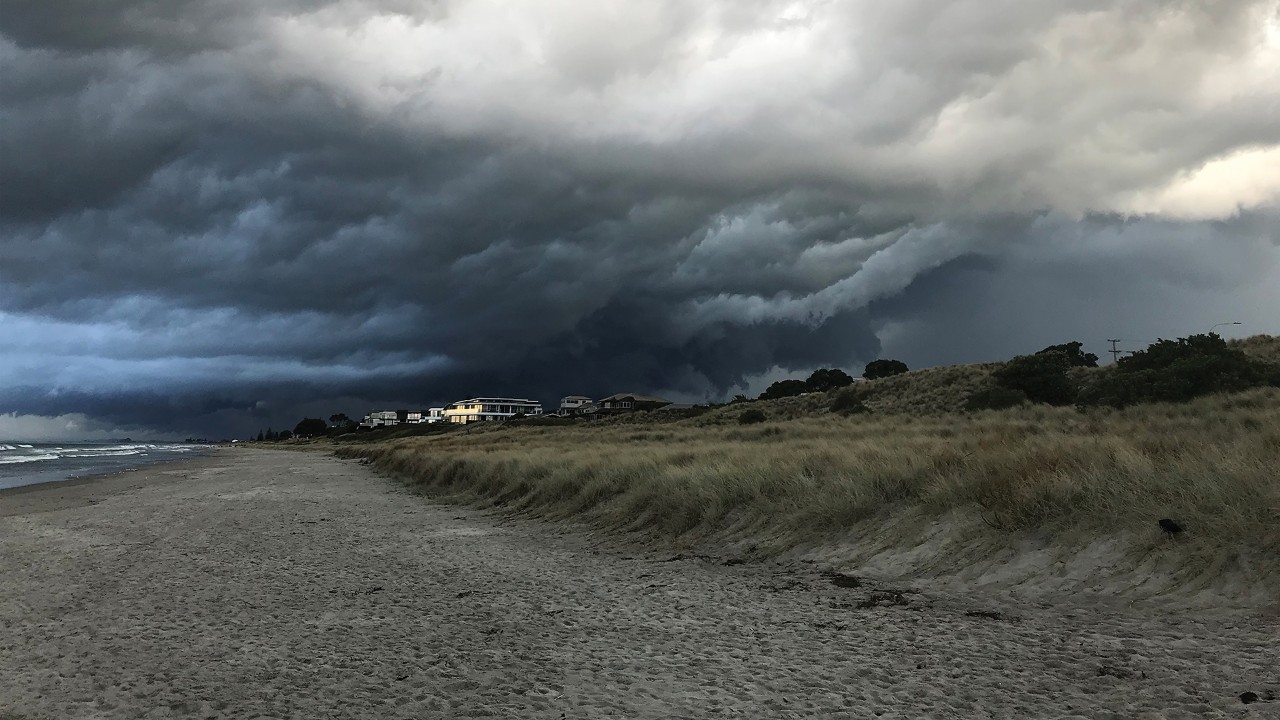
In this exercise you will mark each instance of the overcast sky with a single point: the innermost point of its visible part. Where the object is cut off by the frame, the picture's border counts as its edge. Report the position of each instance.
(222, 215)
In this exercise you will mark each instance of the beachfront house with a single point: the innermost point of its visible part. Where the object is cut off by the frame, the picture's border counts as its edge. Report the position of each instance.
(626, 402)
(383, 418)
(573, 405)
(486, 409)
(434, 415)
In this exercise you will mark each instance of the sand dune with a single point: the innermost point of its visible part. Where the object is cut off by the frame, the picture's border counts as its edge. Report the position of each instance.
(282, 584)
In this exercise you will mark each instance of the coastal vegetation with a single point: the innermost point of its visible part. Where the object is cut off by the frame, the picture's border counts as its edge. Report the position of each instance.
(847, 463)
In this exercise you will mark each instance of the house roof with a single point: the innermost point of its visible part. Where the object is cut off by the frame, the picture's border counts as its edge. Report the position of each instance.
(496, 401)
(636, 397)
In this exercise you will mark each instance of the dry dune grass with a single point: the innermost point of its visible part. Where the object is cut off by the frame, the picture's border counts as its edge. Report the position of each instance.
(1053, 473)
(929, 391)
(1262, 347)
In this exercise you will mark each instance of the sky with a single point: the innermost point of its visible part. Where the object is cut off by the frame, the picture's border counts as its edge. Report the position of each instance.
(218, 216)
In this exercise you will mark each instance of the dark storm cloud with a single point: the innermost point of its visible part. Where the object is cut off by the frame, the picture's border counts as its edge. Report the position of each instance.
(220, 215)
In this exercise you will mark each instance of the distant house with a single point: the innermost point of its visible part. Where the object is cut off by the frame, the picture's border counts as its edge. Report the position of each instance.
(573, 405)
(488, 409)
(378, 419)
(434, 415)
(627, 402)
(411, 417)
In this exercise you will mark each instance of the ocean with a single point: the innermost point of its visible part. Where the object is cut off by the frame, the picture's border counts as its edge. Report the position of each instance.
(30, 463)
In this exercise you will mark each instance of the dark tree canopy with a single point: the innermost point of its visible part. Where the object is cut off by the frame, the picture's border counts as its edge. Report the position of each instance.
(825, 379)
(877, 369)
(1075, 354)
(784, 388)
(1043, 377)
(1179, 370)
(310, 427)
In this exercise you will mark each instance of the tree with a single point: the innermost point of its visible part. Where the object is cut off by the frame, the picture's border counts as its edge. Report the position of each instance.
(310, 427)
(339, 419)
(825, 379)
(284, 435)
(261, 436)
(751, 417)
(1074, 353)
(1179, 370)
(271, 435)
(877, 369)
(784, 388)
(1043, 377)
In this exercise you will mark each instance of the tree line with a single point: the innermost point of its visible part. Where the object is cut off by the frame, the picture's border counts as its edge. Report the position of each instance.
(338, 424)
(825, 379)
(1166, 371)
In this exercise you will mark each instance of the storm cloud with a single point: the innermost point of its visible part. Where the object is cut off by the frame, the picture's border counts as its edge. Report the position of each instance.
(221, 215)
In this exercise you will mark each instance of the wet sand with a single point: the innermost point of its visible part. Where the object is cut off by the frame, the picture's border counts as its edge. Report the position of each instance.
(261, 583)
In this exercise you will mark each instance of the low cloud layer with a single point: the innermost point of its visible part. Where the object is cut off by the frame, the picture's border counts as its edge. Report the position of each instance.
(223, 215)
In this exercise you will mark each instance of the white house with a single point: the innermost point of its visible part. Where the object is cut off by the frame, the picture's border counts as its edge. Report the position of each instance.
(488, 408)
(382, 418)
(573, 405)
(434, 415)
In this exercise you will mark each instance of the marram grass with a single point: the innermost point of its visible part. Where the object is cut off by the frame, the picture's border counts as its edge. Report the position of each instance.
(1211, 464)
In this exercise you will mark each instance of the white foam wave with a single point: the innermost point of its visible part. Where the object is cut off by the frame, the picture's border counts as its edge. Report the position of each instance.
(26, 459)
(106, 453)
(11, 454)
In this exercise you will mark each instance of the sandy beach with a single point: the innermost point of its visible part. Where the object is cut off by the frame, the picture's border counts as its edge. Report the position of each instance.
(281, 584)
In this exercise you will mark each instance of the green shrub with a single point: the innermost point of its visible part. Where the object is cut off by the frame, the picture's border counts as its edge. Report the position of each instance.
(996, 398)
(877, 369)
(751, 417)
(1042, 377)
(847, 402)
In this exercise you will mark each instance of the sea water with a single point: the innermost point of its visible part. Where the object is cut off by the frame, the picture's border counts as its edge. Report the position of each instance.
(23, 463)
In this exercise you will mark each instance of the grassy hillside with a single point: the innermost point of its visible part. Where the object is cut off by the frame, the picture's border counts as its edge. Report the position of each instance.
(892, 475)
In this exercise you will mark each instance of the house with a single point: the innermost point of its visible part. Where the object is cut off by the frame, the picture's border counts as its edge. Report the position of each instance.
(434, 415)
(411, 417)
(627, 402)
(382, 418)
(486, 409)
(573, 405)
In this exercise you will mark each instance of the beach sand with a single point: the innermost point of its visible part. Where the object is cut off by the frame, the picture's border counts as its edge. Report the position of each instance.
(260, 583)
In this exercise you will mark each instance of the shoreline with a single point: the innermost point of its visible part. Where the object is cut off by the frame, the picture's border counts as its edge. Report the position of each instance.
(72, 480)
(89, 489)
